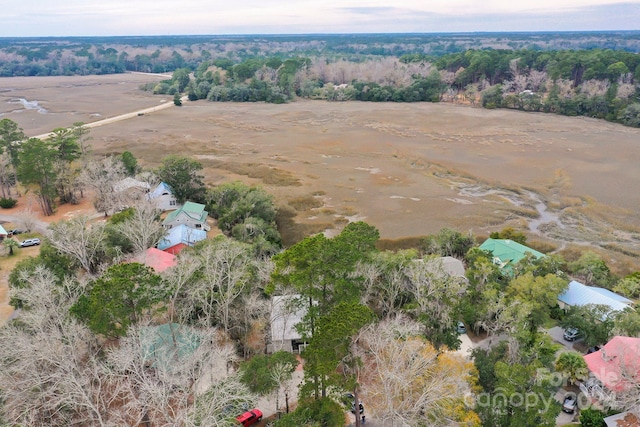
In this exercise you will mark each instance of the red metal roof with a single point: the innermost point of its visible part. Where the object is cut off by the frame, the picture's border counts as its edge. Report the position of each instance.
(156, 259)
(617, 364)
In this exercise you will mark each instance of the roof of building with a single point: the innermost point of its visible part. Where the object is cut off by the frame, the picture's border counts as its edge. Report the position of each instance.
(508, 252)
(3, 232)
(128, 182)
(181, 234)
(193, 210)
(168, 343)
(453, 266)
(617, 363)
(285, 315)
(156, 259)
(160, 189)
(609, 294)
(578, 294)
(624, 419)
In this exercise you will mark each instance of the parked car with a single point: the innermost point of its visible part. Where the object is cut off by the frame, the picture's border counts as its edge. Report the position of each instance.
(593, 349)
(249, 418)
(16, 231)
(571, 334)
(461, 328)
(29, 242)
(570, 403)
(350, 402)
(360, 405)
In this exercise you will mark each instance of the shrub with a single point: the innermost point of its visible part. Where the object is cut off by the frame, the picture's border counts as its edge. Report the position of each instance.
(7, 203)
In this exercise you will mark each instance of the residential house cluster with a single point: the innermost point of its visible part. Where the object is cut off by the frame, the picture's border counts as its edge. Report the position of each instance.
(507, 253)
(614, 368)
(185, 224)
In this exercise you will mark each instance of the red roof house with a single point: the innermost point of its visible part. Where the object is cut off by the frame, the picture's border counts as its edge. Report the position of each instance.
(617, 364)
(156, 259)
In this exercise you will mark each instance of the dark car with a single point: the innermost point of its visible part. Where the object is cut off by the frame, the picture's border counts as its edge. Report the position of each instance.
(571, 334)
(16, 231)
(593, 349)
(570, 403)
(350, 402)
(249, 418)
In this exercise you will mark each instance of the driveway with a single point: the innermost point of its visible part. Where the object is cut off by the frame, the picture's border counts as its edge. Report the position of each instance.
(467, 345)
(556, 333)
(38, 225)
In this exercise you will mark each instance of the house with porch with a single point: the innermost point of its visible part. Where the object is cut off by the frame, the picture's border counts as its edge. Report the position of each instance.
(190, 214)
(614, 376)
(162, 197)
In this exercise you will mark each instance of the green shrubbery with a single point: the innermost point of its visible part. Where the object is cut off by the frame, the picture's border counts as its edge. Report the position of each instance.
(7, 203)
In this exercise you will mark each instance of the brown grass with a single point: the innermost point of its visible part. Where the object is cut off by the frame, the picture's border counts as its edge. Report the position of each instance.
(305, 203)
(393, 165)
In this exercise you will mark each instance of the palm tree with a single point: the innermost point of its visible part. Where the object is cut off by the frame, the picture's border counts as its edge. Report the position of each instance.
(10, 243)
(572, 365)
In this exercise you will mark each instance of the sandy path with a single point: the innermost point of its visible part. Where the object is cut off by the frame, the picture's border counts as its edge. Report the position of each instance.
(111, 120)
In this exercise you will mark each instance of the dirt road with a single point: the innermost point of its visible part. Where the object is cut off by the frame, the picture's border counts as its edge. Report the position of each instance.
(111, 120)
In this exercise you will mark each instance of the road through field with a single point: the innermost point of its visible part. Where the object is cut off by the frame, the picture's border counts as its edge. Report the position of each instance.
(111, 120)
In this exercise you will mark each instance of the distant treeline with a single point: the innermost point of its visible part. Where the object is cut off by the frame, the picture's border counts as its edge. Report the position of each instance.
(491, 70)
(595, 83)
(53, 56)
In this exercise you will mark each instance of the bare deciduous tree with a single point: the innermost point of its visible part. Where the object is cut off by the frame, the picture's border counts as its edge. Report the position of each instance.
(227, 270)
(406, 379)
(434, 291)
(143, 229)
(179, 279)
(101, 176)
(51, 375)
(81, 240)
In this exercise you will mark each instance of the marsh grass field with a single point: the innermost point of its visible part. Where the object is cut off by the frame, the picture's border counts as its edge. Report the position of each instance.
(408, 169)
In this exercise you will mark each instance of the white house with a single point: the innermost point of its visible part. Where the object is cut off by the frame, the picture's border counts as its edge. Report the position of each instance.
(162, 197)
(286, 313)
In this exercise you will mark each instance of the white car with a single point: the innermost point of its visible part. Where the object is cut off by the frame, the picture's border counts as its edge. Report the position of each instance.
(29, 242)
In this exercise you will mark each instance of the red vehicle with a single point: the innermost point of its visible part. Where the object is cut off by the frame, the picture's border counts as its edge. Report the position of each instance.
(249, 418)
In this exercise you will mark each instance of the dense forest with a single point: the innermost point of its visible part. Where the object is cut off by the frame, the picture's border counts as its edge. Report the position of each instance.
(575, 74)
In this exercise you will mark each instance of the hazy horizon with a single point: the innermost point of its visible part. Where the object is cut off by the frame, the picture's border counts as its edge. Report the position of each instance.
(86, 18)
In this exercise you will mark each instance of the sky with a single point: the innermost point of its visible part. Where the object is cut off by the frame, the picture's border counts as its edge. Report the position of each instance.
(26, 18)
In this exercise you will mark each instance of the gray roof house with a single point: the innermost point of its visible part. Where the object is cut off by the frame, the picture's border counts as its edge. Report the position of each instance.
(190, 214)
(286, 313)
(578, 294)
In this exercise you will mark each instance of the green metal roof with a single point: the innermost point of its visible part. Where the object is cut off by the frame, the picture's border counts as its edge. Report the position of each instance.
(508, 252)
(166, 344)
(191, 209)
